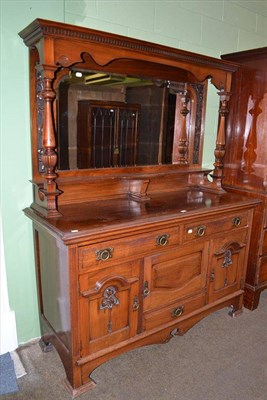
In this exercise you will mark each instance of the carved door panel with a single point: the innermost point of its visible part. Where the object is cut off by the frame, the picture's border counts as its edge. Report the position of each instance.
(227, 265)
(176, 274)
(109, 302)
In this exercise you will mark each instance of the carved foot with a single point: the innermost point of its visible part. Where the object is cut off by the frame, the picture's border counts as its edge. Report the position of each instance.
(82, 389)
(235, 312)
(251, 299)
(45, 346)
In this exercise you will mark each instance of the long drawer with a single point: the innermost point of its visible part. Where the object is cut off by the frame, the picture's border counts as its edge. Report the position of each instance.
(118, 250)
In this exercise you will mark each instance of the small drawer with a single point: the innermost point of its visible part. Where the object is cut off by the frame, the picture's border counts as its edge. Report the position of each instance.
(173, 312)
(123, 274)
(210, 227)
(120, 249)
(264, 243)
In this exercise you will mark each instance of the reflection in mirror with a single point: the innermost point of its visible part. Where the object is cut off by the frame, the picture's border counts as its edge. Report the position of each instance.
(112, 120)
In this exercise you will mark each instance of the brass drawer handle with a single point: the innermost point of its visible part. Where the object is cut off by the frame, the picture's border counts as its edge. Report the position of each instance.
(177, 312)
(103, 255)
(146, 290)
(135, 303)
(200, 230)
(212, 276)
(162, 240)
(236, 221)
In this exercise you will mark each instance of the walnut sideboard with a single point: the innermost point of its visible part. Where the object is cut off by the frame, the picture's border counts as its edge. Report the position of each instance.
(133, 243)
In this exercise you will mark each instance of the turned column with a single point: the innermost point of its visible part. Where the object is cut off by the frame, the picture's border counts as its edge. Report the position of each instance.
(49, 192)
(220, 142)
(183, 142)
(250, 155)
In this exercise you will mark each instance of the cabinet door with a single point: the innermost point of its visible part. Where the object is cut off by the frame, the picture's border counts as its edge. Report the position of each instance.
(109, 305)
(175, 275)
(228, 262)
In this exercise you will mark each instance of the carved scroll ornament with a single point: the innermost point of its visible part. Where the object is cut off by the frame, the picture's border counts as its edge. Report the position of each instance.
(110, 299)
(228, 251)
(227, 262)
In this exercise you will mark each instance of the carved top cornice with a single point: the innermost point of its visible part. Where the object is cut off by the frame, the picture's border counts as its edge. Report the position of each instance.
(41, 28)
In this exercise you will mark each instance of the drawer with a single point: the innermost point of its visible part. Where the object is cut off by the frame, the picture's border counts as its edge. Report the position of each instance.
(173, 312)
(118, 250)
(264, 243)
(123, 273)
(217, 225)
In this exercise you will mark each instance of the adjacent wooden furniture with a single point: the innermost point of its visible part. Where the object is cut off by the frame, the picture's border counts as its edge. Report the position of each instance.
(245, 162)
(131, 252)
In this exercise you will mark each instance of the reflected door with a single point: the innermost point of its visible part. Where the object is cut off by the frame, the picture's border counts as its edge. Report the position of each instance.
(107, 134)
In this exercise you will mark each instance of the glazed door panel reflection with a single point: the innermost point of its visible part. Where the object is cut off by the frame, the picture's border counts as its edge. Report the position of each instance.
(107, 134)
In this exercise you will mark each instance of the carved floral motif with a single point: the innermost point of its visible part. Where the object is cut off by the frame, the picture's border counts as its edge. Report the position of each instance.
(110, 299)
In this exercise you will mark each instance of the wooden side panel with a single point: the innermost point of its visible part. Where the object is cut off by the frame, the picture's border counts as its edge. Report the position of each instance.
(263, 270)
(264, 245)
(54, 284)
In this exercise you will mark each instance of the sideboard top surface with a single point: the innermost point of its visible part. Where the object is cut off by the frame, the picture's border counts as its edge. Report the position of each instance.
(84, 220)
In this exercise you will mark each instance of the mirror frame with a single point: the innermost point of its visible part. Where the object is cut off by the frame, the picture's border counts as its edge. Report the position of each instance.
(54, 47)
